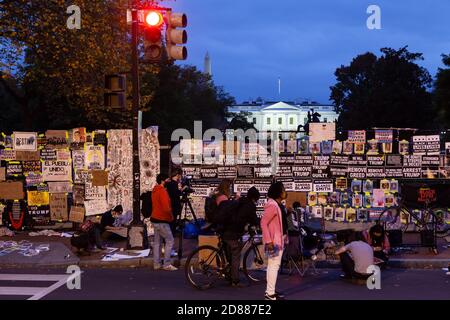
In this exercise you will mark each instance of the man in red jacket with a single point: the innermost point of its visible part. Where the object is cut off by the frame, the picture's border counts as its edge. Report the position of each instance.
(161, 218)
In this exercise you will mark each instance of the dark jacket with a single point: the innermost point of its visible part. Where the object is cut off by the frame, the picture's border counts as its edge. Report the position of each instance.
(234, 229)
(175, 197)
(106, 221)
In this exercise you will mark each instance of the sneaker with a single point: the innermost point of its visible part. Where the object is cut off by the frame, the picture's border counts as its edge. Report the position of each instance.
(170, 268)
(280, 294)
(272, 297)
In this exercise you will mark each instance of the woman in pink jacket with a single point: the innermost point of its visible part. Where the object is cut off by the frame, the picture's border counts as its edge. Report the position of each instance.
(273, 237)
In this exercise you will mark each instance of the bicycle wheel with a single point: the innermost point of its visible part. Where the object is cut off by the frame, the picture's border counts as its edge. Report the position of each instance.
(204, 267)
(253, 265)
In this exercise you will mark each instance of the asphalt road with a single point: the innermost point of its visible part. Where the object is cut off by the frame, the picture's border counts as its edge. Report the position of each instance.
(144, 284)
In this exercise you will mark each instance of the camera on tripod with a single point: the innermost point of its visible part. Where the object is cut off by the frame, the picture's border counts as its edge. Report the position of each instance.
(186, 187)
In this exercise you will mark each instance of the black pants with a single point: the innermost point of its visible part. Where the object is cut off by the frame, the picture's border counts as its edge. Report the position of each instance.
(381, 255)
(348, 266)
(233, 252)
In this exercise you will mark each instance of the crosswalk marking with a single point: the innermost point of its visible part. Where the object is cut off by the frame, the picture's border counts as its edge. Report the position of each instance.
(36, 293)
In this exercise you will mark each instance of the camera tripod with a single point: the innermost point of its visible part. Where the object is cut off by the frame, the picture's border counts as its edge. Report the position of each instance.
(181, 220)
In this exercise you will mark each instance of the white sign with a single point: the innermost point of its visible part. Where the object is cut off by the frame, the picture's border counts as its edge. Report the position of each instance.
(94, 207)
(323, 186)
(57, 170)
(78, 159)
(25, 141)
(94, 193)
(322, 131)
(303, 185)
(60, 187)
(95, 157)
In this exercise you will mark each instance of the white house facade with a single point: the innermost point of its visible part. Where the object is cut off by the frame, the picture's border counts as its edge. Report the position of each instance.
(283, 116)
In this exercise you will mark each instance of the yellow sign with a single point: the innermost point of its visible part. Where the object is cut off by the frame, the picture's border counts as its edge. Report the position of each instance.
(38, 198)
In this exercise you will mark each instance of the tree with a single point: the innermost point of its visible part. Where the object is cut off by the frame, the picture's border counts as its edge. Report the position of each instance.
(442, 93)
(385, 91)
(180, 96)
(59, 73)
(239, 121)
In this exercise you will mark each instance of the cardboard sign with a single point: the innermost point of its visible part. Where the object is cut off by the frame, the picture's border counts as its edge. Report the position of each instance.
(60, 187)
(2, 174)
(99, 178)
(11, 190)
(38, 198)
(25, 141)
(322, 131)
(56, 139)
(77, 214)
(95, 157)
(58, 207)
(95, 207)
(57, 170)
(28, 156)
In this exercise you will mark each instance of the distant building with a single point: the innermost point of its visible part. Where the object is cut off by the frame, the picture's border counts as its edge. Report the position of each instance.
(283, 116)
(207, 66)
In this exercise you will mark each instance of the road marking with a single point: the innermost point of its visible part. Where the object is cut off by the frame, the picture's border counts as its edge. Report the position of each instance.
(36, 293)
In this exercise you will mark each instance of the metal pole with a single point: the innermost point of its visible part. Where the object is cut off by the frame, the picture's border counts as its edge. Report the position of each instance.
(136, 103)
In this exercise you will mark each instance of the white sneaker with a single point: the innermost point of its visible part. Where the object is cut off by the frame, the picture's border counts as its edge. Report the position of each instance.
(170, 268)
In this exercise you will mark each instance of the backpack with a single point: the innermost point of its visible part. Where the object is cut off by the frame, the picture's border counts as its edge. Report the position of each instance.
(227, 212)
(147, 206)
(211, 208)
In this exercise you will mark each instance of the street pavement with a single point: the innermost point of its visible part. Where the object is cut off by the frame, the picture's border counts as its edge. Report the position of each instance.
(146, 284)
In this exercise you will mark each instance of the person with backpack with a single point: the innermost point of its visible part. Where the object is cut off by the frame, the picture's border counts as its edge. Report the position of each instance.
(161, 218)
(213, 202)
(242, 213)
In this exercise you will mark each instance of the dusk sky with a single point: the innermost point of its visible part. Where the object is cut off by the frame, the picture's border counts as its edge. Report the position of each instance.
(252, 43)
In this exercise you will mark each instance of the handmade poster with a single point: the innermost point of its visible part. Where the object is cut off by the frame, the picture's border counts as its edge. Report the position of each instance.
(384, 136)
(77, 214)
(339, 214)
(337, 147)
(378, 198)
(387, 147)
(320, 131)
(57, 139)
(78, 159)
(403, 147)
(328, 213)
(314, 147)
(356, 186)
(350, 215)
(94, 193)
(58, 207)
(63, 154)
(292, 146)
(33, 179)
(334, 198)
(357, 136)
(7, 154)
(57, 170)
(317, 212)
(327, 147)
(120, 166)
(99, 178)
(372, 147)
(303, 146)
(347, 147)
(393, 186)
(37, 198)
(359, 148)
(341, 184)
(60, 187)
(2, 174)
(31, 166)
(14, 169)
(95, 157)
(363, 215)
(78, 193)
(149, 157)
(25, 141)
(95, 207)
(312, 199)
(345, 199)
(322, 198)
(28, 156)
(389, 200)
(357, 200)
(368, 186)
(385, 185)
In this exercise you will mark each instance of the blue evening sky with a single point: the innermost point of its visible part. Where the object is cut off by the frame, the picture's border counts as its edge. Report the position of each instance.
(252, 43)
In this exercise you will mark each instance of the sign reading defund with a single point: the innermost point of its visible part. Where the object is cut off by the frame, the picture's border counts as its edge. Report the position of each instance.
(57, 170)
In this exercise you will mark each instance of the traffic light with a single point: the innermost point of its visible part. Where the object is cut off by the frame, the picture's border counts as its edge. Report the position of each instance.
(115, 91)
(176, 37)
(153, 46)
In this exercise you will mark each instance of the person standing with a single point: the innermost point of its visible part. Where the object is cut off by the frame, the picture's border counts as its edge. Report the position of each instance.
(173, 189)
(161, 218)
(274, 237)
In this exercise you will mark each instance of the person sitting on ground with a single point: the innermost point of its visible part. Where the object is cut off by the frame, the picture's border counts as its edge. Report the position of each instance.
(356, 256)
(377, 238)
(108, 227)
(234, 229)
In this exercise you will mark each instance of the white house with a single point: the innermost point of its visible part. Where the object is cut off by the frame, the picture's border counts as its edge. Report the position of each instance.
(282, 116)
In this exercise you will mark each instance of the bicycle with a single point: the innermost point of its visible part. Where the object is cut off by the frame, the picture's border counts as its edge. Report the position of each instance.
(207, 264)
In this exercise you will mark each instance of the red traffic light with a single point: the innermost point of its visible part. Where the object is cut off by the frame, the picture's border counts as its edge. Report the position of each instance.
(154, 18)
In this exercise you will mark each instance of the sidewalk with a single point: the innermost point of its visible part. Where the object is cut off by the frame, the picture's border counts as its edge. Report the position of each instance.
(62, 254)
